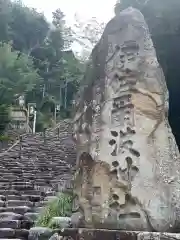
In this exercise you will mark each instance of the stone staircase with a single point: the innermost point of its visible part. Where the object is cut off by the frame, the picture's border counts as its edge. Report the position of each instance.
(31, 172)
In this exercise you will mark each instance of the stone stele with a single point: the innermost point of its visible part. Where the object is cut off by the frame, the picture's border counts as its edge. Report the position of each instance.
(127, 174)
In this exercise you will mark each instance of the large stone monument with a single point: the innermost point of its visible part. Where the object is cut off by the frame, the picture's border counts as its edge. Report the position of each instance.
(128, 165)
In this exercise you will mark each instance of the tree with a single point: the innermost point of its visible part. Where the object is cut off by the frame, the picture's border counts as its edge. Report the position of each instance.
(32, 59)
(60, 24)
(17, 73)
(4, 118)
(17, 76)
(28, 28)
(5, 18)
(54, 65)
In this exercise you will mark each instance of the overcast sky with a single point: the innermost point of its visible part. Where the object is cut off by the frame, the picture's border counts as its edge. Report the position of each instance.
(86, 9)
(102, 9)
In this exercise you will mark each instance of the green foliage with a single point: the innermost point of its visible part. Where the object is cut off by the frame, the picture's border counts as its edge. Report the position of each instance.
(32, 60)
(60, 207)
(44, 120)
(4, 118)
(5, 13)
(28, 28)
(5, 138)
(17, 74)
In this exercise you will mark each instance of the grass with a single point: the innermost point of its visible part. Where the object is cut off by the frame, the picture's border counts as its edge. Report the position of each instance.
(60, 207)
(5, 138)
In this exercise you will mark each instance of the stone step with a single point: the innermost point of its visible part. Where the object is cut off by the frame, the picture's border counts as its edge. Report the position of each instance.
(13, 197)
(25, 183)
(9, 192)
(27, 224)
(38, 209)
(14, 203)
(19, 210)
(4, 182)
(42, 232)
(28, 176)
(2, 203)
(40, 204)
(22, 186)
(9, 176)
(21, 182)
(15, 170)
(29, 169)
(45, 177)
(33, 216)
(31, 192)
(5, 187)
(40, 182)
(10, 239)
(21, 233)
(7, 233)
(52, 193)
(2, 197)
(10, 216)
(8, 180)
(32, 198)
(14, 224)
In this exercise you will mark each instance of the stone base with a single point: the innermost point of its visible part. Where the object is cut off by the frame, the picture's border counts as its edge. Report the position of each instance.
(103, 234)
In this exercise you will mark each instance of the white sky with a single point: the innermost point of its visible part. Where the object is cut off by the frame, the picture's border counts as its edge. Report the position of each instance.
(101, 9)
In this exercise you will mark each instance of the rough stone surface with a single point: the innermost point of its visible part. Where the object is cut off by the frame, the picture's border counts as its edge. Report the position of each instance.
(31, 173)
(61, 222)
(128, 162)
(38, 233)
(56, 236)
(97, 234)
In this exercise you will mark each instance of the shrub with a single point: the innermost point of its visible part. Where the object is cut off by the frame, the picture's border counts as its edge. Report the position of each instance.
(60, 207)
